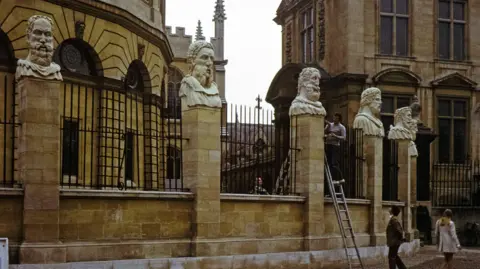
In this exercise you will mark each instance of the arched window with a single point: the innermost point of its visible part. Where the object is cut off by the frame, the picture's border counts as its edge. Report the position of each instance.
(77, 56)
(6, 51)
(137, 78)
(174, 104)
(174, 169)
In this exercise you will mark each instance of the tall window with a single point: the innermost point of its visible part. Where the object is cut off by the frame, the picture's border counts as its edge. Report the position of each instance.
(307, 35)
(174, 103)
(129, 156)
(174, 168)
(389, 105)
(451, 29)
(452, 130)
(394, 27)
(70, 148)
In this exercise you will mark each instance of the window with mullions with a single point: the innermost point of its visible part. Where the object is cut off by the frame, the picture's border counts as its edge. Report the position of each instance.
(451, 29)
(70, 147)
(394, 27)
(307, 35)
(452, 130)
(129, 156)
(389, 105)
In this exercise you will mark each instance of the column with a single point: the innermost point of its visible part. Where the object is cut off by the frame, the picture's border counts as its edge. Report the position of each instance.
(373, 149)
(201, 173)
(308, 132)
(39, 166)
(413, 196)
(405, 186)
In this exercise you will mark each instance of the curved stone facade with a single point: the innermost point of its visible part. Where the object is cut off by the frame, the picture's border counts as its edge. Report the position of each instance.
(116, 36)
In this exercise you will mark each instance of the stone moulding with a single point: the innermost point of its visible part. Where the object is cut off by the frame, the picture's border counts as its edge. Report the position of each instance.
(163, 195)
(306, 259)
(262, 198)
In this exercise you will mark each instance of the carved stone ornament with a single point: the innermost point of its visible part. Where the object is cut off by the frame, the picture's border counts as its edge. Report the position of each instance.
(321, 29)
(308, 94)
(288, 44)
(141, 51)
(367, 116)
(198, 87)
(40, 44)
(79, 29)
(405, 129)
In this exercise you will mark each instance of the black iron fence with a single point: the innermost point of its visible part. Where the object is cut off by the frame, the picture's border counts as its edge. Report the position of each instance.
(390, 170)
(113, 138)
(456, 184)
(8, 139)
(251, 163)
(350, 164)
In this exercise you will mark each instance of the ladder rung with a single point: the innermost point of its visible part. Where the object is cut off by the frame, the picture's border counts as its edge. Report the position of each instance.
(339, 193)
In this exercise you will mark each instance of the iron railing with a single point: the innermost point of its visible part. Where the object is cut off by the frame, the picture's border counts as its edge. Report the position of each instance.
(112, 138)
(350, 164)
(456, 184)
(249, 152)
(390, 170)
(8, 124)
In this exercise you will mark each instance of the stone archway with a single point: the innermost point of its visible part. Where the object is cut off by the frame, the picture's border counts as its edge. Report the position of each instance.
(7, 56)
(138, 78)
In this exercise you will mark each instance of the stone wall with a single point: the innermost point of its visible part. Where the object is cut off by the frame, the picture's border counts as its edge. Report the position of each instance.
(94, 227)
(11, 207)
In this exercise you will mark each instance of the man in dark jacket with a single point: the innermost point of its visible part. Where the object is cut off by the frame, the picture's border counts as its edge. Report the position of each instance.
(394, 240)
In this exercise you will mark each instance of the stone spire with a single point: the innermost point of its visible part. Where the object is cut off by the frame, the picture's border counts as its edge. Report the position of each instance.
(219, 14)
(199, 32)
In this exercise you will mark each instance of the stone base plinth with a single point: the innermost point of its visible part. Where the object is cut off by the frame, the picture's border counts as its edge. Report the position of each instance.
(288, 260)
(42, 253)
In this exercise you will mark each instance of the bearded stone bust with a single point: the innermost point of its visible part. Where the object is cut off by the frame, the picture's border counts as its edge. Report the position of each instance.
(198, 87)
(308, 94)
(405, 128)
(40, 44)
(367, 116)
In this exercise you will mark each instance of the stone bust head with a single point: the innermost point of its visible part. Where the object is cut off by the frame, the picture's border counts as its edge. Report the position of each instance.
(371, 101)
(405, 126)
(40, 40)
(198, 87)
(367, 116)
(309, 84)
(201, 56)
(39, 63)
(308, 94)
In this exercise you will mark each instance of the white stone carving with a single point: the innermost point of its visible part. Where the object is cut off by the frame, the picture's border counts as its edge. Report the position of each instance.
(40, 44)
(198, 87)
(405, 129)
(367, 116)
(308, 94)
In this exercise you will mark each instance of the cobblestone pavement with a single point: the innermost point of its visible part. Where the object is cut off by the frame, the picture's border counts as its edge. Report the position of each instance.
(430, 258)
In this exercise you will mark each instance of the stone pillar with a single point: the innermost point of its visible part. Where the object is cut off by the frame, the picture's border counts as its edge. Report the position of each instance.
(405, 186)
(308, 132)
(201, 173)
(373, 149)
(38, 156)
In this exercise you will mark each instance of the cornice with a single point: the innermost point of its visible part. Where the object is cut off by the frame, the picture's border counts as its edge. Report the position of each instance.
(121, 17)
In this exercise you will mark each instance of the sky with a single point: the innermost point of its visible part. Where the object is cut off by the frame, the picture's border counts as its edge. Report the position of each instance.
(252, 42)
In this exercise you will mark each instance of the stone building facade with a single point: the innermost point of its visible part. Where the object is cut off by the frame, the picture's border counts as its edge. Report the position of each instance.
(406, 48)
(84, 174)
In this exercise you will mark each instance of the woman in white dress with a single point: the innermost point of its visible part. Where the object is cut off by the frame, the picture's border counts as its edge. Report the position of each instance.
(447, 239)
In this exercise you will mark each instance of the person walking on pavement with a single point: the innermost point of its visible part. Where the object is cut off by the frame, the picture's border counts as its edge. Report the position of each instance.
(394, 239)
(447, 240)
